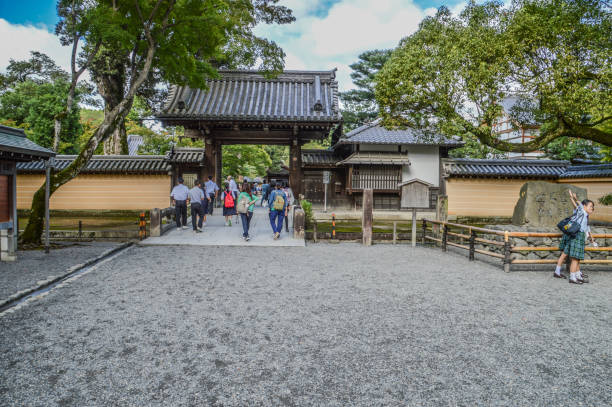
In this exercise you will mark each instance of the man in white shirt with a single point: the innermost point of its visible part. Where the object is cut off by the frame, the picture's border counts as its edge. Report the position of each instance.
(179, 201)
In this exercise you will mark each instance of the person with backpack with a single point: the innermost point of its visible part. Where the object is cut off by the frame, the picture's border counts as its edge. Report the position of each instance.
(290, 200)
(265, 188)
(229, 205)
(246, 205)
(277, 202)
(573, 241)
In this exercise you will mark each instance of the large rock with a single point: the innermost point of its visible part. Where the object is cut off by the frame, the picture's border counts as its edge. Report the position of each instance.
(544, 204)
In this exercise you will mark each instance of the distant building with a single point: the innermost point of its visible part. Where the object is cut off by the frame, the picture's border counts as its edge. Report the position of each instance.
(509, 130)
(134, 142)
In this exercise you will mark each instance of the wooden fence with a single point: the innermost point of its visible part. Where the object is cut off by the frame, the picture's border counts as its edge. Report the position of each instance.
(442, 233)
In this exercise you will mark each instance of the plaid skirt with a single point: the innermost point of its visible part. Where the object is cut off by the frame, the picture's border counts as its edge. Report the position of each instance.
(573, 246)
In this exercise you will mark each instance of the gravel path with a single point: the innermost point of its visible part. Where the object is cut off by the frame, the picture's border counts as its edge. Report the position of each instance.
(323, 325)
(34, 265)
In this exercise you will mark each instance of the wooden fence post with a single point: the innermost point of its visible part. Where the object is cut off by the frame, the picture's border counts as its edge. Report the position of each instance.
(394, 232)
(506, 252)
(444, 237)
(367, 217)
(414, 220)
(472, 242)
(424, 231)
(314, 230)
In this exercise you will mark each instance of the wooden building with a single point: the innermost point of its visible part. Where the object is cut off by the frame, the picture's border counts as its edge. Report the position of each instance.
(402, 166)
(490, 188)
(15, 149)
(245, 107)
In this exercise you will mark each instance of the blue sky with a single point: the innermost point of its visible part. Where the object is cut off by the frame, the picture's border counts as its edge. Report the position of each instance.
(327, 34)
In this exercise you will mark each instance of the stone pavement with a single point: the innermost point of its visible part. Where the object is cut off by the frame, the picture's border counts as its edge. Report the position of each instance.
(217, 234)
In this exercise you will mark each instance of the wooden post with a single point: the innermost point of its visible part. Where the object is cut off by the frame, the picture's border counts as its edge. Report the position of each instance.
(80, 229)
(472, 244)
(441, 213)
(295, 167)
(210, 159)
(414, 222)
(444, 237)
(367, 218)
(424, 231)
(506, 252)
(314, 230)
(394, 232)
(47, 193)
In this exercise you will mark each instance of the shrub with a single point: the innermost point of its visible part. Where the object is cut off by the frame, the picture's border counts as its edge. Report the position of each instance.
(606, 200)
(307, 207)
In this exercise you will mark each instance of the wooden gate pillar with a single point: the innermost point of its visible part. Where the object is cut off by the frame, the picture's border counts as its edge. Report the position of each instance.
(212, 151)
(296, 175)
(218, 164)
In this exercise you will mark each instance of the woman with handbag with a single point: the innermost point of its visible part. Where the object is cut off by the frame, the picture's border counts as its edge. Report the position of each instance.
(575, 230)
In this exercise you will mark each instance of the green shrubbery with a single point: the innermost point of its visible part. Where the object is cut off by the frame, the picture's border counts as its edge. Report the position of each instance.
(307, 207)
(606, 200)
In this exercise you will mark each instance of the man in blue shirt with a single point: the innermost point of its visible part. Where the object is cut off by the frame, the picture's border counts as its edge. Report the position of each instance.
(277, 202)
(212, 190)
(197, 198)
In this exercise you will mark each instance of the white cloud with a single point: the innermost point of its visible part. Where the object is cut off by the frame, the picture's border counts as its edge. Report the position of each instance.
(349, 28)
(19, 40)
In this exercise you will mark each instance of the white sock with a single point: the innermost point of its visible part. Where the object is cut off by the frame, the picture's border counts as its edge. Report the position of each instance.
(579, 274)
(573, 276)
(558, 270)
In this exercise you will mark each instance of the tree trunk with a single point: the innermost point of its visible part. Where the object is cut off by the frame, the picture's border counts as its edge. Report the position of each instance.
(34, 229)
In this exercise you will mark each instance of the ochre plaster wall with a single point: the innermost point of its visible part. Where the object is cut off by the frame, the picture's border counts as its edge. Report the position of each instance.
(483, 197)
(100, 192)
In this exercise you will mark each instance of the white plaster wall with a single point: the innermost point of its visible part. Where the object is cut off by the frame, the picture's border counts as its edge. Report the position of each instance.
(378, 147)
(424, 164)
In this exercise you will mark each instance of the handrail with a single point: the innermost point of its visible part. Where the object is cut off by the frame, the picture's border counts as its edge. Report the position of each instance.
(507, 249)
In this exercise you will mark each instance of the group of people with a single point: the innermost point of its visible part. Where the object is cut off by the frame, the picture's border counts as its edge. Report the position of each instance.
(572, 244)
(236, 201)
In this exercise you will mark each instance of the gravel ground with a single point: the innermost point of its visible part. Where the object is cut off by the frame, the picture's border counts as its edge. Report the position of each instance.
(34, 265)
(322, 325)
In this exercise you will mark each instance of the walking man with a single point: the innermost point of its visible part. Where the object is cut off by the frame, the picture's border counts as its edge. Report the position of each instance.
(212, 189)
(179, 200)
(265, 188)
(197, 197)
(277, 202)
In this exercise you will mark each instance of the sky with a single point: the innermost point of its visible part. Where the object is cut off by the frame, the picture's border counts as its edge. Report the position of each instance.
(328, 34)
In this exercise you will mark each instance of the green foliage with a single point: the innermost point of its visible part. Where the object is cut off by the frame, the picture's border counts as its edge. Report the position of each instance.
(247, 160)
(279, 155)
(33, 105)
(606, 200)
(570, 149)
(308, 216)
(359, 105)
(553, 54)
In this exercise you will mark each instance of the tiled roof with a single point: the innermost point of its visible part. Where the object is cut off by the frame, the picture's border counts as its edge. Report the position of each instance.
(374, 133)
(504, 168)
(186, 156)
(588, 171)
(134, 142)
(15, 145)
(382, 158)
(319, 158)
(307, 96)
(105, 164)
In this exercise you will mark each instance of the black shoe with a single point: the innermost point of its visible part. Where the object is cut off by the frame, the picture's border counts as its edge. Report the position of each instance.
(583, 280)
(576, 281)
(555, 275)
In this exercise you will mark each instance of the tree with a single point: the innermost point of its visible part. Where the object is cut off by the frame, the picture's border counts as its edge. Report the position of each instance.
(176, 40)
(554, 55)
(247, 160)
(35, 106)
(359, 105)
